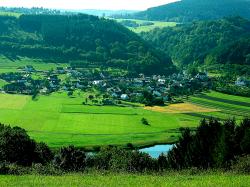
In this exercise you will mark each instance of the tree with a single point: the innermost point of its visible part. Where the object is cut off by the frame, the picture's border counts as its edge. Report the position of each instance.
(145, 121)
(70, 159)
(16, 146)
(43, 154)
(70, 93)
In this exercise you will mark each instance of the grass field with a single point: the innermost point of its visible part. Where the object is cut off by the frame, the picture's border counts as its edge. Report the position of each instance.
(12, 65)
(170, 179)
(157, 24)
(59, 120)
(227, 105)
(10, 14)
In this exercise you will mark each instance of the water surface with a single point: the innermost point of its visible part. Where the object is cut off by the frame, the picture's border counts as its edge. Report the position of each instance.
(157, 150)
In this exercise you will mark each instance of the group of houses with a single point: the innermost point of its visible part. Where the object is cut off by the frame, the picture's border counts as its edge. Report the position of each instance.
(115, 87)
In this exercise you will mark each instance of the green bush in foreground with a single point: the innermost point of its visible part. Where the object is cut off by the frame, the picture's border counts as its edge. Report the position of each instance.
(16, 146)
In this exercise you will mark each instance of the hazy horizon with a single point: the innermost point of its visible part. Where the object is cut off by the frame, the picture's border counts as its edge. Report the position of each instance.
(86, 4)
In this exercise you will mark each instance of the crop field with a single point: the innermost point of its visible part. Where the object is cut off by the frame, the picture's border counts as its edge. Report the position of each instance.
(60, 120)
(156, 24)
(170, 179)
(227, 105)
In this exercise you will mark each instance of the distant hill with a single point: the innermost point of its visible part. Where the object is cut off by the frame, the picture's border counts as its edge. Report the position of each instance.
(90, 40)
(193, 10)
(102, 13)
(194, 42)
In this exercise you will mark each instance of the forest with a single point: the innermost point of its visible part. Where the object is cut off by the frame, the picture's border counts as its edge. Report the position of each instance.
(194, 10)
(92, 40)
(224, 41)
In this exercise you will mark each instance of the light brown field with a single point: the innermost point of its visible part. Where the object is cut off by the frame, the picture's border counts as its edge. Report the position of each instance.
(181, 108)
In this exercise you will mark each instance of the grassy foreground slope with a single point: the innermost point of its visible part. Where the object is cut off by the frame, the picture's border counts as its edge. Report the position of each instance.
(172, 179)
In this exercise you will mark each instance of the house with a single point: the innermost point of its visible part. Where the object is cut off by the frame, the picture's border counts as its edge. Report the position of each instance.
(29, 68)
(156, 93)
(44, 90)
(124, 97)
(161, 81)
(201, 76)
(240, 81)
(79, 85)
(138, 83)
(114, 95)
(96, 82)
(60, 70)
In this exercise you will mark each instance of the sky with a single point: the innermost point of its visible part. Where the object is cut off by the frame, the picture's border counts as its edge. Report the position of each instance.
(87, 4)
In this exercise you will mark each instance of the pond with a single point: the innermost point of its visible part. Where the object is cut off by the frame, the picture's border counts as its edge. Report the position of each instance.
(157, 150)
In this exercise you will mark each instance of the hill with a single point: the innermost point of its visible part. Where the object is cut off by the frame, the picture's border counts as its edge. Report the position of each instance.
(193, 42)
(193, 10)
(90, 40)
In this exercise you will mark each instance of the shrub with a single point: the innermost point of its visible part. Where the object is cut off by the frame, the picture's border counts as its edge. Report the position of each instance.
(43, 154)
(145, 121)
(118, 159)
(70, 159)
(49, 169)
(242, 165)
(4, 169)
(16, 146)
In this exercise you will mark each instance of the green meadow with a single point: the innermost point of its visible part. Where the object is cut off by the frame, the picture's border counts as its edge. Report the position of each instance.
(174, 179)
(13, 65)
(156, 24)
(10, 14)
(59, 120)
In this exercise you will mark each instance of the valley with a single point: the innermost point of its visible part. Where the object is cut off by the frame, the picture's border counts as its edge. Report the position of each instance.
(107, 97)
(59, 120)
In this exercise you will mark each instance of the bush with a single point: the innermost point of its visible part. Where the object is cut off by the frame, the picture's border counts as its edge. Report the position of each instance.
(145, 121)
(16, 146)
(118, 159)
(4, 169)
(70, 159)
(49, 169)
(242, 165)
(43, 154)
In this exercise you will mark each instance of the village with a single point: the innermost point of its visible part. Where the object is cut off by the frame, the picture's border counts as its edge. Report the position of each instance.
(149, 90)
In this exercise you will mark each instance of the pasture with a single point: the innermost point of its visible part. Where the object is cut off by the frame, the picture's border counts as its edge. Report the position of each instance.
(59, 120)
(209, 179)
(2, 13)
(147, 28)
(14, 65)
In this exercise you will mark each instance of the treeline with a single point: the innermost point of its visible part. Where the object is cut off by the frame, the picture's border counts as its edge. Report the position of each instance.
(224, 41)
(34, 10)
(98, 41)
(214, 145)
(194, 10)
